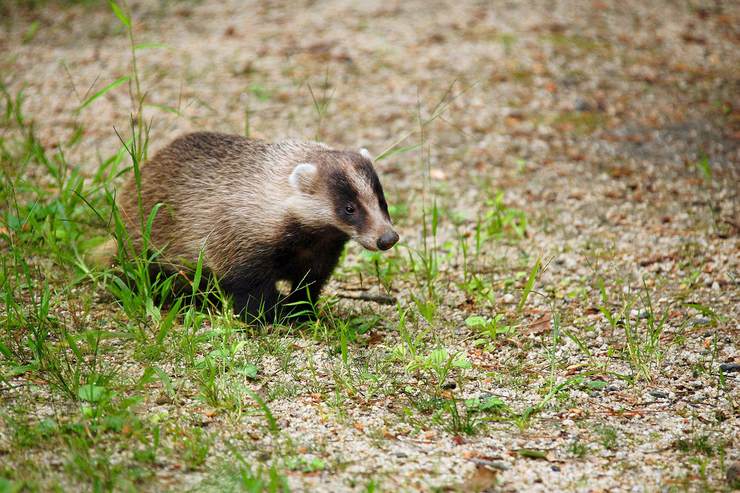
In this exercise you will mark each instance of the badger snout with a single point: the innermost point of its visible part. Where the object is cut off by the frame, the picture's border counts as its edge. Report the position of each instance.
(387, 240)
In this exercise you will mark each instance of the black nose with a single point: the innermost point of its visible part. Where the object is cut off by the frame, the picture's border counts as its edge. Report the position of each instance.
(388, 239)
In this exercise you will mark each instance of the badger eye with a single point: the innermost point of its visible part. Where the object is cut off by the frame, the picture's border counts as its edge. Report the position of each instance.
(349, 209)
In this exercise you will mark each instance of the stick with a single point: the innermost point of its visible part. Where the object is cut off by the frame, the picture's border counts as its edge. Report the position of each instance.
(381, 299)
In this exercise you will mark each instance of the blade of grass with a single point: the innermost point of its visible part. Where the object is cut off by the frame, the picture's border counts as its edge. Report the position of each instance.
(398, 150)
(103, 91)
(530, 284)
(118, 11)
(271, 421)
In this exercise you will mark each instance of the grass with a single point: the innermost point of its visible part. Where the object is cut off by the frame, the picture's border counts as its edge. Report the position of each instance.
(109, 382)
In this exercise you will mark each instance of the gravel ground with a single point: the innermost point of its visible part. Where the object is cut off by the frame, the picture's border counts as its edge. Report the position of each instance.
(592, 117)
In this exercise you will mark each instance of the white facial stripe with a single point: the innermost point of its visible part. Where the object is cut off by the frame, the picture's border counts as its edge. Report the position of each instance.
(361, 185)
(310, 210)
(366, 154)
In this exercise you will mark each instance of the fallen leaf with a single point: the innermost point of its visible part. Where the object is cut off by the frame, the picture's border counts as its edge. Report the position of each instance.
(533, 453)
(438, 174)
(483, 478)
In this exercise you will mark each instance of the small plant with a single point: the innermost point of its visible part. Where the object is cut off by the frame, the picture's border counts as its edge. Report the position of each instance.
(262, 479)
(703, 444)
(305, 464)
(411, 343)
(642, 329)
(491, 327)
(91, 465)
(608, 437)
(195, 444)
(578, 449)
(456, 418)
(438, 363)
(500, 221)
(148, 453)
(385, 266)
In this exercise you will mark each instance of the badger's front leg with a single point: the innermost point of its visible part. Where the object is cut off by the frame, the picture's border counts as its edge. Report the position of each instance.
(308, 281)
(256, 305)
(254, 296)
(300, 303)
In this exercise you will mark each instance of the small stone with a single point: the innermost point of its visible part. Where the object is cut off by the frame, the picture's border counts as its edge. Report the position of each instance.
(555, 468)
(700, 321)
(733, 474)
(729, 367)
(582, 105)
(659, 394)
(498, 465)
(401, 455)
(508, 298)
(639, 314)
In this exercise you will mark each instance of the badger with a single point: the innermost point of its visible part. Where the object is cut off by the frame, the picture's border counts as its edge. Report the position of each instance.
(257, 214)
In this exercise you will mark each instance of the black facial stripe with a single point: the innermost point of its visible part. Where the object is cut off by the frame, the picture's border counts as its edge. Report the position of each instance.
(343, 193)
(368, 172)
(341, 189)
(359, 218)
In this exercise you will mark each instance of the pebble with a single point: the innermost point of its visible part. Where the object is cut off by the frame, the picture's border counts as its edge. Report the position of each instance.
(641, 314)
(729, 367)
(499, 465)
(508, 298)
(733, 474)
(699, 321)
(659, 394)
(582, 105)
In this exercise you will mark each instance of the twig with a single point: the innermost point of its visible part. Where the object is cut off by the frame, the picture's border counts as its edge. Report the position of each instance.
(382, 299)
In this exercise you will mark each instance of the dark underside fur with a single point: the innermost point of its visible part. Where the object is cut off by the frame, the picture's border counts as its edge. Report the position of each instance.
(305, 258)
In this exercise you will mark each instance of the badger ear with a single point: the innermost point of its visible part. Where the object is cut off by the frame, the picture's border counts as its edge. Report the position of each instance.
(366, 154)
(303, 176)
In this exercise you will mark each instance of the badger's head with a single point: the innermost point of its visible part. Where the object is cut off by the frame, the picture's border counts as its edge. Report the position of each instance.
(340, 189)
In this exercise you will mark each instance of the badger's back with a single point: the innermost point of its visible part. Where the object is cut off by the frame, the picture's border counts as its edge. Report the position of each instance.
(218, 195)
